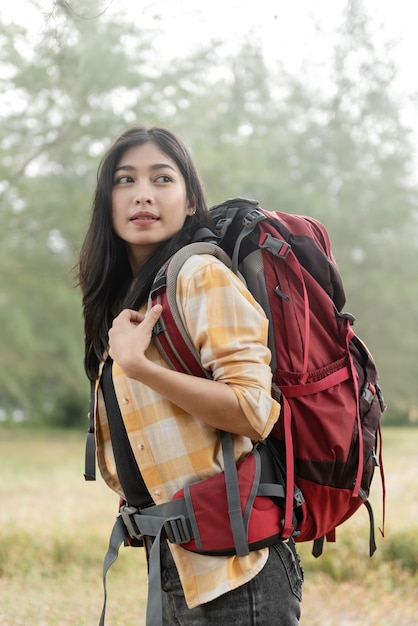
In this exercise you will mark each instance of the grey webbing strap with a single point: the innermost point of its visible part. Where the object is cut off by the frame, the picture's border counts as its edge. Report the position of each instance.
(154, 599)
(254, 488)
(250, 222)
(154, 615)
(117, 537)
(372, 539)
(233, 496)
(151, 523)
(150, 520)
(271, 490)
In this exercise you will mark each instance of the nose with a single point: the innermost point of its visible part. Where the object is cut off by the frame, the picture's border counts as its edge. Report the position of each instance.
(143, 193)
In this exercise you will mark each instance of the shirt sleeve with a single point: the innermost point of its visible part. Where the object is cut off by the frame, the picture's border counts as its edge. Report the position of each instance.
(229, 330)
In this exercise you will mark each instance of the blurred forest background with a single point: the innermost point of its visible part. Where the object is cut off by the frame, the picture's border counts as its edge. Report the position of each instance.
(342, 153)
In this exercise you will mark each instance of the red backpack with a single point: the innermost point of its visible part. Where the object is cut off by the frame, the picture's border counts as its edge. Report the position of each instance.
(327, 441)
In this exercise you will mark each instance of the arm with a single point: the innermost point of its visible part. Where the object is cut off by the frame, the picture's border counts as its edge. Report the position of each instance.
(215, 403)
(229, 331)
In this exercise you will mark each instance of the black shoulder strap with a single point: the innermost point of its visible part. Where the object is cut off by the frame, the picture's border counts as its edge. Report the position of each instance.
(90, 454)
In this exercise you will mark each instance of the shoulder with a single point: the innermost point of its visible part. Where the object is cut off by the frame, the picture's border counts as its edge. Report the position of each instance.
(209, 271)
(205, 276)
(201, 262)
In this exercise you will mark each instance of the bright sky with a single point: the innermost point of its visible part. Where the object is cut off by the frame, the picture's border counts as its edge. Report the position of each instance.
(287, 29)
(291, 32)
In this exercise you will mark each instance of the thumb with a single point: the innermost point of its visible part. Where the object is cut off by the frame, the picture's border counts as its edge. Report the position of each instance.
(152, 317)
(156, 311)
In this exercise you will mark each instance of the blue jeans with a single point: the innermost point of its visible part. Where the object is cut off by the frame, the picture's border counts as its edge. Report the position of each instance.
(272, 598)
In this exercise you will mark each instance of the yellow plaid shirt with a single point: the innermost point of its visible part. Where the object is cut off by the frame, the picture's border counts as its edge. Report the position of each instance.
(173, 448)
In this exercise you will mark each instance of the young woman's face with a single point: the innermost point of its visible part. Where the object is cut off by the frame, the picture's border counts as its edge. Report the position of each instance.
(149, 201)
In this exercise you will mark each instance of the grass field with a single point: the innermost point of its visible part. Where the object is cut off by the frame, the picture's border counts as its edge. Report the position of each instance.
(54, 529)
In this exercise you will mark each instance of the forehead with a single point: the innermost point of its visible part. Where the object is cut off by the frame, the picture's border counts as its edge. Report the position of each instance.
(145, 155)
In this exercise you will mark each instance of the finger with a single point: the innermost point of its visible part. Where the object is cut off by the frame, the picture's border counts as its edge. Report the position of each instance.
(152, 317)
(136, 317)
(155, 313)
(129, 315)
(126, 313)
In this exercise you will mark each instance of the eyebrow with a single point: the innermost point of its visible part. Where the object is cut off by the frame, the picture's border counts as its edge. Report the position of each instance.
(153, 167)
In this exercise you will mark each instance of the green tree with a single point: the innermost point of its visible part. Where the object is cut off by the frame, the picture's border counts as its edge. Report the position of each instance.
(338, 152)
(359, 167)
(65, 96)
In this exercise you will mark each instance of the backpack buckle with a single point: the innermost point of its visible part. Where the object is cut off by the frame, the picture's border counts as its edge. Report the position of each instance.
(278, 247)
(159, 327)
(222, 226)
(368, 393)
(381, 399)
(177, 530)
(128, 516)
(298, 497)
(252, 218)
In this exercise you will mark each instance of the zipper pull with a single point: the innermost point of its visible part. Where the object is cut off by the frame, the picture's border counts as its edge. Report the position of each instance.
(374, 457)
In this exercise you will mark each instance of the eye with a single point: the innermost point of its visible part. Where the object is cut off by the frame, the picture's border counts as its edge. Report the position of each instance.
(163, 178)
(123, 180)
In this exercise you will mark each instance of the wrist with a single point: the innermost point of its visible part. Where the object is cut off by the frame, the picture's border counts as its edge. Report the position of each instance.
(139, 368)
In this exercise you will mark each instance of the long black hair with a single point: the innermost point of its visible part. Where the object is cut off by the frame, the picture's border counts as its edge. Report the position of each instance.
(104, 272)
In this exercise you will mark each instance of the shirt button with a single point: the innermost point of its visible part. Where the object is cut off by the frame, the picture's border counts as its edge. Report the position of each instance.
(157, 492)
(125, 400)
(141, 446)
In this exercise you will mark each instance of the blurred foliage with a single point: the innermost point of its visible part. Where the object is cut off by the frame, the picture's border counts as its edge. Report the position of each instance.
(348, 558)
(338, 152)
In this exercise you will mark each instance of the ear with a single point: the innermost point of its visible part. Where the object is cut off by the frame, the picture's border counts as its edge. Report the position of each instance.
(191, 209)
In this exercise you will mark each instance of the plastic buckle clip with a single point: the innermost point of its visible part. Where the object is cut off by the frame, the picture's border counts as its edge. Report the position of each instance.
(276, 246)
(127, 513)
(177, 530)
(368, 393)
(252, 218)
(222, 226)
(298, 497)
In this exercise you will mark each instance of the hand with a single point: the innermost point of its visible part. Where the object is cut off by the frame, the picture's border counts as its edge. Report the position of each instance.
(215, 403)
(130, 337)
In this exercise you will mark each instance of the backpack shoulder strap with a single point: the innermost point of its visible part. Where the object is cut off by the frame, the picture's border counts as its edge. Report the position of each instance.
(171, 338)
(90, 451)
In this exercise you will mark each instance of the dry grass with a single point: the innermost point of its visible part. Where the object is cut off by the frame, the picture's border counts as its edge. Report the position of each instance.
(54, 530)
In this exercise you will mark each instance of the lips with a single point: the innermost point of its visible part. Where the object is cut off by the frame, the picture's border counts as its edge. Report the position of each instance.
(144, 217)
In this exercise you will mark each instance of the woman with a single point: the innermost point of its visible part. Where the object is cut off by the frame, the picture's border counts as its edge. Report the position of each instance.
(156, 428)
